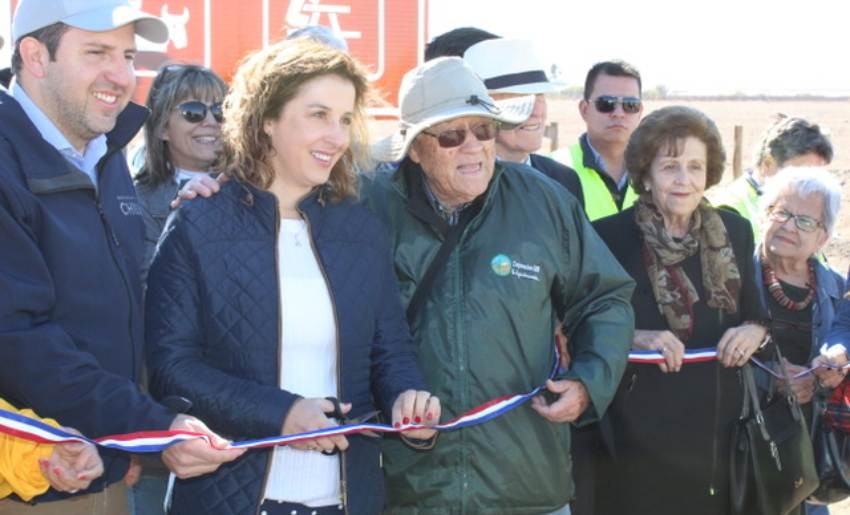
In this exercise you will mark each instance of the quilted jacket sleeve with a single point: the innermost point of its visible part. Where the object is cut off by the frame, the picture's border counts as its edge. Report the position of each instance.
(175, 348)
(593, 294)
(394, 363)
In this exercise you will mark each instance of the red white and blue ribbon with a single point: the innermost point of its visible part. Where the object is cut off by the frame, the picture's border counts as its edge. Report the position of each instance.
(708, 354)
(156, 441)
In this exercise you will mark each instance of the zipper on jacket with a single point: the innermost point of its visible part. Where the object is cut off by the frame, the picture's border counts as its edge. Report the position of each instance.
(277, 355)
(343, 484)
(110, 234)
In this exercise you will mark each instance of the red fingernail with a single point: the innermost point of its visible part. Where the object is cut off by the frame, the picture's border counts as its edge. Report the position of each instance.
(83, 477)
(405, 420)
(429, 416)
(397, 424)
(418, 420)
(57, 471)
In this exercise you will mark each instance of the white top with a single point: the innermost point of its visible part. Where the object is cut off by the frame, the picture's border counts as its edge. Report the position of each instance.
(307, 366)
(182, 174)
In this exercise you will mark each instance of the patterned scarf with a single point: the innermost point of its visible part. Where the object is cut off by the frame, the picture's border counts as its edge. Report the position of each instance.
(662, 254)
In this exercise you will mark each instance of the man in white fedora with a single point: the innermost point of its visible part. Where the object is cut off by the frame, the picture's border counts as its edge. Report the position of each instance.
(486, 275)
(510, 68)
(71, 325)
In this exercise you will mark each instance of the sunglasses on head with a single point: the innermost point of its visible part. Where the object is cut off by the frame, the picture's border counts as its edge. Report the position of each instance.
(195, 111)
(451, 138)
(607, 104)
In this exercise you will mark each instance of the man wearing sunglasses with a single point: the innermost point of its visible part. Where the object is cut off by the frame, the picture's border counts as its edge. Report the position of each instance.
(490, 256)
(611, 109)
(71, 231)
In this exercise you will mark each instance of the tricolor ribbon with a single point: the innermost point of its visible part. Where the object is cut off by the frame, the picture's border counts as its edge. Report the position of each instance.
(709, 354)
(156, 441)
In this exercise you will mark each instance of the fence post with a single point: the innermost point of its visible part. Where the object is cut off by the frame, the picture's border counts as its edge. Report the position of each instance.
(551, 132)
(736, 155)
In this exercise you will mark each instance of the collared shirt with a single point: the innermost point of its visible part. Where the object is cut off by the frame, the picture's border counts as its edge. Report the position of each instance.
(85, 162)
(602, 167)
(451, 216)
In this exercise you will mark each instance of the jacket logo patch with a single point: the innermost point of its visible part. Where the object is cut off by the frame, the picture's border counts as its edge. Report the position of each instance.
(129, 206)
(504, 266)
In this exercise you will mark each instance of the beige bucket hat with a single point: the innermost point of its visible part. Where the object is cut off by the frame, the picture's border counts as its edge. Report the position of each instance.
(440, 90)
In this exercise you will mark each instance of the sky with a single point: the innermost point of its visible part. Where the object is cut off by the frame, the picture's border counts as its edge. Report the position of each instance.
(709, 47)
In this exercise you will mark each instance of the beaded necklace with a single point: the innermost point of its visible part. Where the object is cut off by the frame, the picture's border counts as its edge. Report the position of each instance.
(775, 288)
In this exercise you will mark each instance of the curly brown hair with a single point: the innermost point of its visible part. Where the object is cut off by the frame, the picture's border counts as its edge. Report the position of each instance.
(667, 128)
(263, 84)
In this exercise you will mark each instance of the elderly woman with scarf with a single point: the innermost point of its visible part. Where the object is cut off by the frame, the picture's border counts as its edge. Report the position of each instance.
(692, 264)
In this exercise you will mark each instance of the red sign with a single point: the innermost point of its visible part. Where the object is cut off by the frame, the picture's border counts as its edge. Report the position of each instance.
(388, 36)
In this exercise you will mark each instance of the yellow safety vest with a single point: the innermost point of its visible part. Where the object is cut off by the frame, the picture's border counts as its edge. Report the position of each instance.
(741, 196)
(598, 202)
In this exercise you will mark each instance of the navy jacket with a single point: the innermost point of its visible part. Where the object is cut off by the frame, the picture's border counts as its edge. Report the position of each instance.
(214, 334)
(560, 173)
(839, 332)
(71, 327)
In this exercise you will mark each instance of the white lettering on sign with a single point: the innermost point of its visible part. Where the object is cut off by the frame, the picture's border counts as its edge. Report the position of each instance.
(302, 13)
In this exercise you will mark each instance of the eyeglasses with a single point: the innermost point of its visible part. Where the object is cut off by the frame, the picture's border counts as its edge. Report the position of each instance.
(451, 138)
(607, 104)
(195, 111)
(803, 222)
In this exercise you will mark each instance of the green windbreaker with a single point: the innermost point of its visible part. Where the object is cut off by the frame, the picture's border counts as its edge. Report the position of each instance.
(485, 329)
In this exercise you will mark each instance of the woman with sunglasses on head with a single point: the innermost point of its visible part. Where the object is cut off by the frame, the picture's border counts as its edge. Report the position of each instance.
(272, 307)
(696, 288)
(799, 208)
(182, 140)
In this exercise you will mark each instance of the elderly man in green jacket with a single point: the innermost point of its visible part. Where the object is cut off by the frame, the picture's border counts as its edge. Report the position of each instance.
(490, 258)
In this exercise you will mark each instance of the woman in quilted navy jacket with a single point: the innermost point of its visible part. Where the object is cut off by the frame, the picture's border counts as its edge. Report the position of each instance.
(279, 293)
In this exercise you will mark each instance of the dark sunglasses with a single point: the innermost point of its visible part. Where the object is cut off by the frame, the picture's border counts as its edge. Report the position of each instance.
(451, 138)
(803, 222)
(607, 104)
(195, 111)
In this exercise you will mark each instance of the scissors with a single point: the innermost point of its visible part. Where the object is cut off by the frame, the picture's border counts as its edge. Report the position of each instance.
(343, 420)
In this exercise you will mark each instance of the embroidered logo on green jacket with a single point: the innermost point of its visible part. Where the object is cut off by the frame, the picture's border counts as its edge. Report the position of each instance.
(504, 266)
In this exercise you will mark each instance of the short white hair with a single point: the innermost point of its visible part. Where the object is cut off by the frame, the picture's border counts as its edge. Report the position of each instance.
(803, 181)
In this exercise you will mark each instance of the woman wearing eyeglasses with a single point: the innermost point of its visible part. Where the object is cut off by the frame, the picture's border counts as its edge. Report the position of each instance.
(277, 295)
(799, 210)
(695, 288)
(182, 140)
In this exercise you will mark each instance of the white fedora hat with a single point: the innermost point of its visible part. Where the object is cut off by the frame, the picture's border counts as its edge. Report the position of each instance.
(440, 90)
(510, 66)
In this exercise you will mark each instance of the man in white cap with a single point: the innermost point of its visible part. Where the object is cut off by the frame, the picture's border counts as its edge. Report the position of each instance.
(510, 68)
(70, 313)
(486, 275)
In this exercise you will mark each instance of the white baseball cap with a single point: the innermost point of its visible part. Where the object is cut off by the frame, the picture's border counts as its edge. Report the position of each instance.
(90, 15)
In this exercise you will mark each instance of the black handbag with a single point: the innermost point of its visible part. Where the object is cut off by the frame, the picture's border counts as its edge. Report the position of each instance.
(772, 464)
(831, 444)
